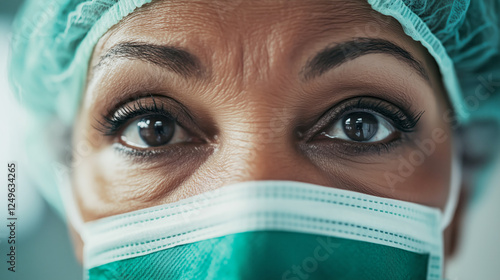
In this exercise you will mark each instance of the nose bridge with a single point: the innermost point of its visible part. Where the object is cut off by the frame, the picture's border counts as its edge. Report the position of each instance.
(261, 157)
(257, 139)
(265, 150)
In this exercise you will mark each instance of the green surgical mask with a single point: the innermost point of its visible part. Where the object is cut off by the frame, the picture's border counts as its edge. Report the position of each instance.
(269, 230)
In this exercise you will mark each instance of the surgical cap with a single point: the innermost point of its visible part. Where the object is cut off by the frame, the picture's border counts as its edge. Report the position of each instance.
(54, 39)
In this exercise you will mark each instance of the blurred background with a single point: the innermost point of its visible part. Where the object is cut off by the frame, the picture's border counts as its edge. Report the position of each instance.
(43, 247)
(44, 250)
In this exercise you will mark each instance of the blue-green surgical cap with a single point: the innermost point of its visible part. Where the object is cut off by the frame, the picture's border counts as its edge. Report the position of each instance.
(53, 41)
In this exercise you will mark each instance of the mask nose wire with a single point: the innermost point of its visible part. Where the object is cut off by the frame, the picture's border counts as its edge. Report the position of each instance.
(455, 182)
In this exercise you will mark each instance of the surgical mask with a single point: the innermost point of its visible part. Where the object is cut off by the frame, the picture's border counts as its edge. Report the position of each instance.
(270, 230)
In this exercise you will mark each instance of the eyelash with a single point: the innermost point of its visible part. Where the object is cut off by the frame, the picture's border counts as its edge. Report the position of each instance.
(404, 122)
(114, 122)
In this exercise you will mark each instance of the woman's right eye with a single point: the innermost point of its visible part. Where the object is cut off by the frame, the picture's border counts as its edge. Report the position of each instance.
(153, 131)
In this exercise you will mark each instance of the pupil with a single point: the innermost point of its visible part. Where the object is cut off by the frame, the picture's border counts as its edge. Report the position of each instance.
(360, 126)
(156, 130)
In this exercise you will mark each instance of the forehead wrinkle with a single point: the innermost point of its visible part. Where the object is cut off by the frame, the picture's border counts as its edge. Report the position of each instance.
(253, 38)
(268, 44)
(248, 15)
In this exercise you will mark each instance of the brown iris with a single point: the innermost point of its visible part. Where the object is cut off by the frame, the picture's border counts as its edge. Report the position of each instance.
(156, 130)
(360, 126)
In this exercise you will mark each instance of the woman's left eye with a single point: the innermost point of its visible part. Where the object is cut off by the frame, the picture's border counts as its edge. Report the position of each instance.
(360, 126)
(153, 131)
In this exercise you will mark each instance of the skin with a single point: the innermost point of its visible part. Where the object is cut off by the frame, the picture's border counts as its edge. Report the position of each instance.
(255, 116)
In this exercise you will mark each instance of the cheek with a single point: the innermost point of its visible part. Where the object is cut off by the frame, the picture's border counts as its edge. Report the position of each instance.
(108, 183)
(421, 173)
(418, 171)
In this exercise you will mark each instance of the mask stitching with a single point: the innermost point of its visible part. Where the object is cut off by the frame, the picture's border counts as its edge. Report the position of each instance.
(283, 196)
(321, 228)
(286, 197)
(272, 188)
(286, 216)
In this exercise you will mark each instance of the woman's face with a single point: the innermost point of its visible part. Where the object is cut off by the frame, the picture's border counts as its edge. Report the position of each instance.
(184, 97)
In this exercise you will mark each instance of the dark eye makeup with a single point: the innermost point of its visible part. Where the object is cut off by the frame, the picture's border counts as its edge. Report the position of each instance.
(157, 119)
(359, 125)
(359, 119)
(114, 120)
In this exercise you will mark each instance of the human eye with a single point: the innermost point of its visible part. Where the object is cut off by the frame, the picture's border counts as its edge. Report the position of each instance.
(153, 131)
(361, 126)
(149, 123)
(367, 123)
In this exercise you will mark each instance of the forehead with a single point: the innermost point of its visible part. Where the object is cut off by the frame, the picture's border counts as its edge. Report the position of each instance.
(267, 28)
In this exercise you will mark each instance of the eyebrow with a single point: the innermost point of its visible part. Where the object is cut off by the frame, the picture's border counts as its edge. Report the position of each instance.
(174, 59)
(334, 56)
